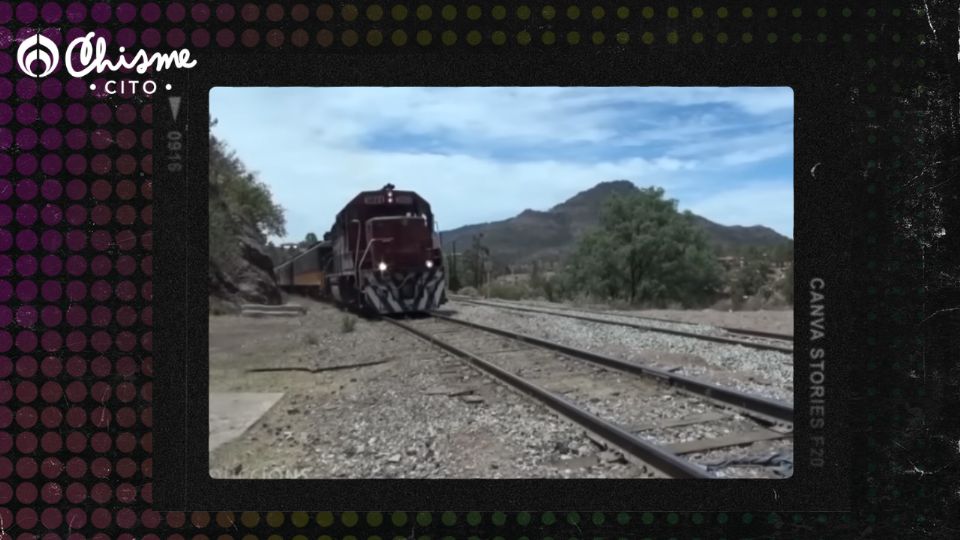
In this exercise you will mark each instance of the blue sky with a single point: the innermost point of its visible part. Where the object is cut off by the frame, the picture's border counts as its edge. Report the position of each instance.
(483, 154)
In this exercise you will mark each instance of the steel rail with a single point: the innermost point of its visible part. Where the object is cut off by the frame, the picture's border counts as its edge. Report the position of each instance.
(658, 457)
(716, 339)
(750, 402)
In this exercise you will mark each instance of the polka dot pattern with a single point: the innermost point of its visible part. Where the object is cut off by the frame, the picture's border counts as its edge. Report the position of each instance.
(76, 264)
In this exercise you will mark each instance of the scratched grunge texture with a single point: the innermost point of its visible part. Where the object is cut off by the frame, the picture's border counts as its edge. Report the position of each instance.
(76, 264)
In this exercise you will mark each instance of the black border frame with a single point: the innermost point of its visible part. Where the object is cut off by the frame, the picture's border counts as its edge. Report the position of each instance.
(822, 249)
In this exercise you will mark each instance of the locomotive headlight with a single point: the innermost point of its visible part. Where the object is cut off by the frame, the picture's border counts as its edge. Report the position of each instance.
(383, 267)
(429, 264)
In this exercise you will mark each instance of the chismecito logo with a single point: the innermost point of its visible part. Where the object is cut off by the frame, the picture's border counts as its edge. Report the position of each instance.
(38, 56)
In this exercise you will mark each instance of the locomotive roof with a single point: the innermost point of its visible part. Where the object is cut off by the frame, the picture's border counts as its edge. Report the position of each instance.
(361, 201)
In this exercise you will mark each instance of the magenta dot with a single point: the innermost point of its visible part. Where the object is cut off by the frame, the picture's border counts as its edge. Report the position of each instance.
(51, 164)
(26, 240)
(76, 240)
(76, 113)
(51, 466)
(52, 291)
(126, 113)
(26, 139)
(51, 12)
(100, 240)
(100, 113)
(51, 416)
(51, 316)
(76, 214)
(100, 12)
(51, 140)
(26, 88)
(51, 114)
(76, 442)
(6, 216)
(51, 215)
(27, 265)
(6, 317)
(26, 215)
(26, 340)
(51, 367)
(126, 12)
(76, 164)
(77, 88)
(51, 88)
(126, 37)
(26, 164)
(101, 443)
(76, 290)
(77, 139)
(76, 189)
(76, 265)
(26, 12)
(150, 37)
(176, 12)
(27, 113)
(76, 341)
(51, 442)
(76, 12)
(176, 38)
(51, 517)
(225, 38)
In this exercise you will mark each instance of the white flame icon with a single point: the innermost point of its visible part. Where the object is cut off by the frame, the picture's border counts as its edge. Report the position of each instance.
(38, 48)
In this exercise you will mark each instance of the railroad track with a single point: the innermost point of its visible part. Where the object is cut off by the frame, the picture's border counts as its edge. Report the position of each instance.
(620, 403)
(768, 346)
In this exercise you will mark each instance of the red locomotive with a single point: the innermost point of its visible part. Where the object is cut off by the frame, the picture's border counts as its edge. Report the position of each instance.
(383, 256)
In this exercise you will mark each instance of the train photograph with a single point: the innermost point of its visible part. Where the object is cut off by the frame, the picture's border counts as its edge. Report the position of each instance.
(501, 283)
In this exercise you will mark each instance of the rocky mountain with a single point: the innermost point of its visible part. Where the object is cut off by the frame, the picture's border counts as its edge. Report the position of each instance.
(552, 234)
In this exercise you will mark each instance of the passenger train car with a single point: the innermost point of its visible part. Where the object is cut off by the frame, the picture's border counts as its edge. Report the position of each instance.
(383, 256)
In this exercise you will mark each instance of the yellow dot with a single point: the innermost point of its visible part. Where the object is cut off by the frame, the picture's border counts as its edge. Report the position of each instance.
(771, 37)
(449, 12)
(424, 12)
(747, 13)
(548, 38)
(647, 12)
(399, 38)
(722, 13)
(697, 37)
(498, 38)
(374, 38)
(474, 12)
(399, 12)
(722, 37)
(623, 12)
(250, 519)
(697, 12)
(523, 13)
(647, 38)
(274, 537)
(747, 37)
(771, 12)
(448, 37)
(274, 519)
(299, 519)
(598, 38)
(623, 38)
(499, 12)
(573, 12)
(424, 37)
(673, 12)
(299, 537)
(548, 12)
(249, 537)
(349, 38)
(672, 38)
(523, 38)
(374, 12)
(474, 37)
(597, 12)
(573, 38)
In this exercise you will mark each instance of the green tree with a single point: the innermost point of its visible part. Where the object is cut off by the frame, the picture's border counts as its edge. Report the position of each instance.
(645, 251)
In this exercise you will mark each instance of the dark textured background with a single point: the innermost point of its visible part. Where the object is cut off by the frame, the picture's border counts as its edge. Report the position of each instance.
(76, 266)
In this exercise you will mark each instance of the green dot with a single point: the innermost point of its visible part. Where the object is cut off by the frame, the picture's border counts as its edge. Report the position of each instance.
(673, 518)
(499, 12)
(747, 13)
(871, 12)
(498, 518)
(523, 13)
(623, 38)
(474, 12)
(349, 518)
(772, 38)
(673, 12)
(747, 518)
(847, 38)
(647, 518)
(498, 38)
(648, 37)
(647, 12)
(573, 518)
(548, 38)
(771, 12)
(423, 38)
(399, 38)
(673, 38)
(722, 517)
(821, 37)
(697, 12)
(448, 12)
(523, 37)
(448, 37)
(548, 12)
(822, 12)
(399, 519)
(573, 38)
(747, 37)
(896, 38)
(896, 12)
(796, 12)
(474, 37)
(722, 37)
(325, 519)
(797, 38)
(697, 37)
(424, 12)
(548, 518)
(846, 12)
(722, 13)
(598, 38)
(597, 12)
(423, 519)
(573, 12)
(449, 519)
(523, 518)
(623, 12)
(597, 518)
(399, 12)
